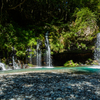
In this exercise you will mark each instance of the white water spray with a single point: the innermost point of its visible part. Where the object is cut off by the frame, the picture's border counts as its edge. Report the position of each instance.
(38, 57)
(2, 66)
(48, 51)
(15, 65)
(97, 50)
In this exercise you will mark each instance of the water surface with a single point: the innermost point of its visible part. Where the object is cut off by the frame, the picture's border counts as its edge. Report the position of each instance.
(86, 69)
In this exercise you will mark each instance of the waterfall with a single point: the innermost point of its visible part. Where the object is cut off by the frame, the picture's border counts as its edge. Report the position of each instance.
(38, 56)
(2, 66)
(97, 50)
(48, 51)
(48, 60)
(15, 65)
(13, 62)
(30, 51)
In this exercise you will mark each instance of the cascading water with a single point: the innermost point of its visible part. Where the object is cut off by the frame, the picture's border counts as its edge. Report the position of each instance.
(97, 50)
(29, 56)
(38, 56)
(15, 65)
(48, 60)
(48, 51)
(30, 53)
(2, 66)
(97, 53)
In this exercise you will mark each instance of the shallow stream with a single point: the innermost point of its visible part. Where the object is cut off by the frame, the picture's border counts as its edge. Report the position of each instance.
(83, 69)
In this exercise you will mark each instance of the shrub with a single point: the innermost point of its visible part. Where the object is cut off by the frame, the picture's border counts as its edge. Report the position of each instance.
(70, 63)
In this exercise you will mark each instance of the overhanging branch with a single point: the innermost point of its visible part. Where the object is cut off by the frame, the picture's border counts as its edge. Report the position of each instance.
(17, 5)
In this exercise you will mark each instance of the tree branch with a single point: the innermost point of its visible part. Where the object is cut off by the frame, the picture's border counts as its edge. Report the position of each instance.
(17, 5)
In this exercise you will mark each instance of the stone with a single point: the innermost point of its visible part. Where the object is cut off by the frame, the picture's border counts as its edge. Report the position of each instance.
(33, 98)
(59, 98)
(19, 99)
(12, 99)
(49, 86)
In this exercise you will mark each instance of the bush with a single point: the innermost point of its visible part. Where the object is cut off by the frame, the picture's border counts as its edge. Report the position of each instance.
(70, 63)
(95, 62)
(82, 30)
(89, 61)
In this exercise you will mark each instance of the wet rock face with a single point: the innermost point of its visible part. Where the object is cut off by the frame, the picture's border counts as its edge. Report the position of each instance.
(0, 68)
(50, 86)
(61, 58)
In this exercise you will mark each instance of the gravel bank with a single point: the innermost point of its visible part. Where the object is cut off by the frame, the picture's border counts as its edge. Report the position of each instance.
(50, 86)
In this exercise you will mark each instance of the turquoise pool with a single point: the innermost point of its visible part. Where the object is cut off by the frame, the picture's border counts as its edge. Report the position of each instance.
(90, 69)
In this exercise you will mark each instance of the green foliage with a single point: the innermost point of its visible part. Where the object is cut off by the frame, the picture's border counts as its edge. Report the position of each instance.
(7, 36)
(73, 24)
(81, 31)
(84, 18)
(95, 62)
(18, 38)
(32, 42)
(31, 65)
(56, 42)
(20, 53)
(89, 61)
(70, 63)
(3, 60)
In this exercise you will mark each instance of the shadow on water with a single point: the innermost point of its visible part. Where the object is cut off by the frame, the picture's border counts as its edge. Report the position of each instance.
(49, 85)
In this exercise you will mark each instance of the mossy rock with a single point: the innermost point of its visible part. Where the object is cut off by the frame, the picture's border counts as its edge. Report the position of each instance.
(70, 63)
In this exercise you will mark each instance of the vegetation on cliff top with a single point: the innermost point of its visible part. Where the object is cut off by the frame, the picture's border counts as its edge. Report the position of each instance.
(73, 24)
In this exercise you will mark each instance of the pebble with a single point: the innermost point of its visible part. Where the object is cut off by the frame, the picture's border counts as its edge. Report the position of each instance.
(50, 86)
(59, 99)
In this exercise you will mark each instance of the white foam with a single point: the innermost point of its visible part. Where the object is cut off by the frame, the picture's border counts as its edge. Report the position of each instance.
(49, 67)
(2, 65)
(95, 67)
(38, 67)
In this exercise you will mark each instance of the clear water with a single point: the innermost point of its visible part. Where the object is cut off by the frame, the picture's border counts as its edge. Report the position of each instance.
(89, 69)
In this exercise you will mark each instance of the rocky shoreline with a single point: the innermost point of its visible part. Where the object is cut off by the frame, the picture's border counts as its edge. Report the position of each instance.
(50, 86)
